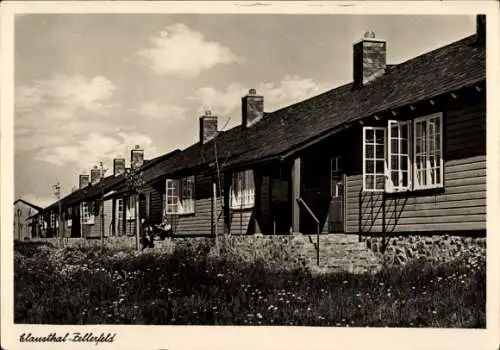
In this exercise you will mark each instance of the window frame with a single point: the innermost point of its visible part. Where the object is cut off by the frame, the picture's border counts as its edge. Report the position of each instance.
(182, 196)
(339, 170)
(374, 159)
(130, 212)
(85, 217)
(413, 184)
(390, 187)
(416, 185)
(241, 196)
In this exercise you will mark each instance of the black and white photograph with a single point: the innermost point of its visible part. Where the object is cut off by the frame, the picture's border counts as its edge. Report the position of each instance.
(274, 170)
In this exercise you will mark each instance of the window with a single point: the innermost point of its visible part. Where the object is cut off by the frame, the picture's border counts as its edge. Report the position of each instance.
(53, 222)
(85, 215)
(131, 208)
(397, 159)
(179, 197)
(373, 158)
(428, 158)
(119, 205)
(336, 171)
(243, 190)
(69, 223)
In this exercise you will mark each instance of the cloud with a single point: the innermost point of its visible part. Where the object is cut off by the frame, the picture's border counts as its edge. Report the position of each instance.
(167, 112)
(179, 50)
(97, 147)
(61, 110)
(289, 90)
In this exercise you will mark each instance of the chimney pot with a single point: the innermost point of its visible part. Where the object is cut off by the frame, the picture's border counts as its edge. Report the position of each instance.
(136, 157)
(369, 59)
(252, 108)
(481, 29)
(118, 166)
(83, 181)
(208, 127)
(95, 175)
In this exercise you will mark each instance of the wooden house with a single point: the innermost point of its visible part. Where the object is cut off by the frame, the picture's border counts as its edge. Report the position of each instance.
(400, 149)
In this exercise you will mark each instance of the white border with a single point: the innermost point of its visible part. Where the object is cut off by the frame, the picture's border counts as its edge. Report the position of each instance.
(172, 338)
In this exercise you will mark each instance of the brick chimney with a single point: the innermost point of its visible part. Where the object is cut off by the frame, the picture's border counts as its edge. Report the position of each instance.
(369, 59)
(95, 175)
(83, 181)
(481, 29)
(118, 166)
(252, 108)
(136, 157)
(208, 127)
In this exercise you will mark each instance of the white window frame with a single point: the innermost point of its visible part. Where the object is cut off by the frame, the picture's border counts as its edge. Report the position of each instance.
(413, 183)
(130, 208)
(335, 174)
(180, 193)
(428, 168)
(390, 186)
(374, 159)
(243, 189)
(85, 216)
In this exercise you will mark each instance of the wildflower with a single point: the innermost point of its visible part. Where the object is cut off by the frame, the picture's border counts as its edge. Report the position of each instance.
(381, 284)
(214, 307)
(220, 275)
(344, 282)
(308, 309)
(434, 312)
(250, 315)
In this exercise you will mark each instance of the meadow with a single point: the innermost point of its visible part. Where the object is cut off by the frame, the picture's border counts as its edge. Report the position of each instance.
(189, 286)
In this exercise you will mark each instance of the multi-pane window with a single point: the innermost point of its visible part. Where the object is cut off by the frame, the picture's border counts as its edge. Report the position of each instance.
(85, 214)
(243, 190)
(428, 161)
(131, 207)
(53, 221)
(398, 158)
(119, 205)
(402, 158)
(179, 196)
(373, 158)
(336, 171)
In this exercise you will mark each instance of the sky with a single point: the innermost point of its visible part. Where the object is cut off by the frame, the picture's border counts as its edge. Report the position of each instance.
(89, 87)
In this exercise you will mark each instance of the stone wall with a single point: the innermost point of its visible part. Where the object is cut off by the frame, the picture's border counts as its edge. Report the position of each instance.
(399, 250)
(337, 252)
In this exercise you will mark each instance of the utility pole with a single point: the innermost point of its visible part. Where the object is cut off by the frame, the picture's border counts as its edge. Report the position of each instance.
(103, 171)
(57, 193)
(135, 183)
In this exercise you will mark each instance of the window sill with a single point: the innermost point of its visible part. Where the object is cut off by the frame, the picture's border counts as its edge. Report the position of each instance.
(243, 208)
(416, 192)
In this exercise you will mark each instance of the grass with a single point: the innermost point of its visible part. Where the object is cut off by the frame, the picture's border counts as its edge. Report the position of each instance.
(190, 287)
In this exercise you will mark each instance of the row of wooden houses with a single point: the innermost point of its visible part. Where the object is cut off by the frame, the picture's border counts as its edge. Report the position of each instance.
(401, 149)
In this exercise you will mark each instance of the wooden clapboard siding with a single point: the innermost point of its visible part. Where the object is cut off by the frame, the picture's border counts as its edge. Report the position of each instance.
(108, 218)
(155, 206)
(461, 205)
(241, 222)
(199, 223)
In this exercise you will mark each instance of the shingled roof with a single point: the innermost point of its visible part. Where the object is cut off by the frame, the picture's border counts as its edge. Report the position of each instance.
(424, 77)
(106, 184)
(449, 68)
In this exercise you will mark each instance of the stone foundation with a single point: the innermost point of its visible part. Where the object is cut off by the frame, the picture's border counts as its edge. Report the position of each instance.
(337, 252)
(399, 250)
